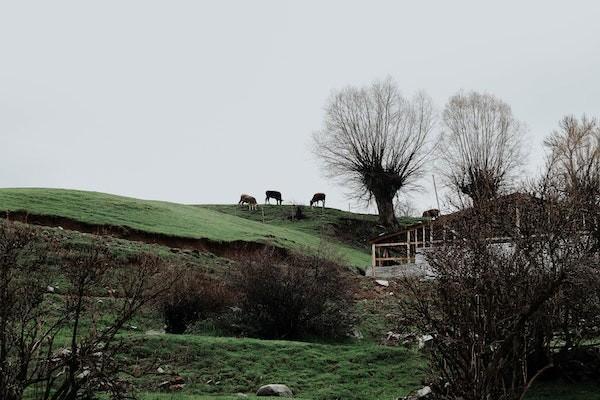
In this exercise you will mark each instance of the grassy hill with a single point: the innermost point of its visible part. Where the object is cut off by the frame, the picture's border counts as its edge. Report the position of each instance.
(177, 220)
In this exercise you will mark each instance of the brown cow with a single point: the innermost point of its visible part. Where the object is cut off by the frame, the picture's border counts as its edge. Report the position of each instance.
(318, 197)
(433, 213)
(247, 199)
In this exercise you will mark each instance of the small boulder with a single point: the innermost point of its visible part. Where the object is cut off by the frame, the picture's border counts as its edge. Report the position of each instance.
(382, 282)
(421, 394)
(277, 390)
(176, 388)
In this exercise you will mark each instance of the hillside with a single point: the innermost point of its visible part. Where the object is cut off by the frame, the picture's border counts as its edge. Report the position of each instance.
(212, 224)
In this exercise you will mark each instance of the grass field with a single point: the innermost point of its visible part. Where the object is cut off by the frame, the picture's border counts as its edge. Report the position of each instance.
(222, 367)
(167, 218)
(215, 367)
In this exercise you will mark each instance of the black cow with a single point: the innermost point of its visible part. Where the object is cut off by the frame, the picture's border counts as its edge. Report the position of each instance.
(273, 194)
(318, 197)
(433, 213)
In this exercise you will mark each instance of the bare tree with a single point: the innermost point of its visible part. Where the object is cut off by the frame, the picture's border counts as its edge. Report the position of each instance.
(404, 207)
(480, 147)
(575, 158)
(376, 140)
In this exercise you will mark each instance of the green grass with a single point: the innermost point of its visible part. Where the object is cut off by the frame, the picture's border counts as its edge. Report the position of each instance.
(225, 366)
(217, 368)
(167, 218)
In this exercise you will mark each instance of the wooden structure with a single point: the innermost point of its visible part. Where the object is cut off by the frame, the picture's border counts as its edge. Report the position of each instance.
(401, 247)
(407, 245)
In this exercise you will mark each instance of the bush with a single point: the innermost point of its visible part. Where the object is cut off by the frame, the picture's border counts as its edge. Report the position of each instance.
(194, 297)
(294, 297)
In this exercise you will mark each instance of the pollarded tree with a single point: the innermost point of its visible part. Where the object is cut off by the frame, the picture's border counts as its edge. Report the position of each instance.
(481, 144)
(575, 157)
(574, 167)
(376, 140)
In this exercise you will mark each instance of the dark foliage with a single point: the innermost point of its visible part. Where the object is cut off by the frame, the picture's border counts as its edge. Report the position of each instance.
(194, 297)
(295, 297)
(31, 315)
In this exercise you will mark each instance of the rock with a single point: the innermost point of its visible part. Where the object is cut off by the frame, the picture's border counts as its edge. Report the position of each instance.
(382, 282)
(178, 380)
(160, 370)
(50, 289)
(356, 334)
(425, 341)
(277, 390)
(163, 384)
(176, 388)
(423, 392)
(85, 373)
(242, 395)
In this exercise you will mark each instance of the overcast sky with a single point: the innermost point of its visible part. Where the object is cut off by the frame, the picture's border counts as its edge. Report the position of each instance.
(197, 102)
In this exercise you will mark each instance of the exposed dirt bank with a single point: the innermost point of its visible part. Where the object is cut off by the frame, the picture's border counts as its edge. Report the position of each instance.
(237, 249)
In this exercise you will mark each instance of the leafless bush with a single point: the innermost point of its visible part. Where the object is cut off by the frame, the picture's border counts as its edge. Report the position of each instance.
(193, 297)
(295, 297)
(62, 347)
(502, 288)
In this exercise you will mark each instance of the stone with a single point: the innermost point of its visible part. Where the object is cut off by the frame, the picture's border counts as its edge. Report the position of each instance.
(160, 370)
(277, 390)
(425, 341)
(421, 394)
(425, 391)
(382, 282)
(176, 388)
(163, 384)
(50, 289)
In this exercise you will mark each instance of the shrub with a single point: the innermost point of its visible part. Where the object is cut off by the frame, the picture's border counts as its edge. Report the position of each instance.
(194, 297)
(294, 297)
(67, 347)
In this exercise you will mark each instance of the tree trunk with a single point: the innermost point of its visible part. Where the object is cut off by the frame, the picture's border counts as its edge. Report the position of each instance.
(385, 208)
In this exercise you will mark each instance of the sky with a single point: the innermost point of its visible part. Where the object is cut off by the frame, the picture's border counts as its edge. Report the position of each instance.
(198, 101)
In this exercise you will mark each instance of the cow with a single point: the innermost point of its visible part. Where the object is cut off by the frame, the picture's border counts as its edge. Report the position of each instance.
(247, 199)
(318, 197)
(433, 213)
(273, 194)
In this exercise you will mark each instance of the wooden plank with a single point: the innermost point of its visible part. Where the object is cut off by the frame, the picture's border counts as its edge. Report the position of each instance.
(394, 258)
(390, 244)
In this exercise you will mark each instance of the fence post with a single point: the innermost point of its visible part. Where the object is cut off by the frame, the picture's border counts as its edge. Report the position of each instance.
(373, 259)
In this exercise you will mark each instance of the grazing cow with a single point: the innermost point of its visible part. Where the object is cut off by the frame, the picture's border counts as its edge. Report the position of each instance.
(273, 194)
(247, 199)
(318, 197)
(433, 213)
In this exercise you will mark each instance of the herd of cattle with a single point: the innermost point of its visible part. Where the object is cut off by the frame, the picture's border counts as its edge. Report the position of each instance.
(317, 197)
(275, 195)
